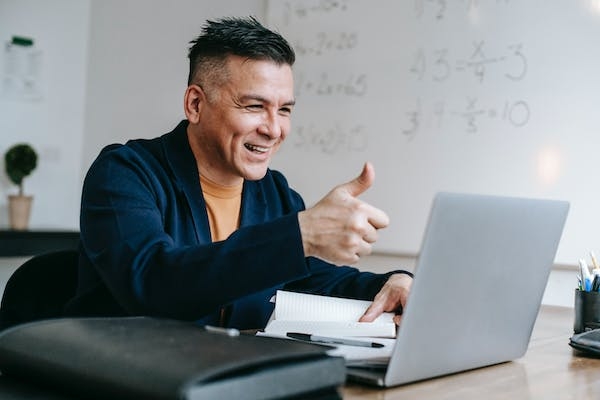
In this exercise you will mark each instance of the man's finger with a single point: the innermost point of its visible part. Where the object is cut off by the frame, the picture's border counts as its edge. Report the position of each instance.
(362, 182)
(370, 236)
(397, 319)
(376, 217)
(374, 311)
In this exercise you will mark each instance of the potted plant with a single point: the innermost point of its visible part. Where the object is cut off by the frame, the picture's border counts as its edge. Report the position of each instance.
(19, 161)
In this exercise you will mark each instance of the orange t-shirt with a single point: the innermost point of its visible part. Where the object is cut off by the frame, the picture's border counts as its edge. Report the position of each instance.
(223, 205)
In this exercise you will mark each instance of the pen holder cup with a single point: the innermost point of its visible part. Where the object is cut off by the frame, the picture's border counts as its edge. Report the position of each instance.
(587, 311)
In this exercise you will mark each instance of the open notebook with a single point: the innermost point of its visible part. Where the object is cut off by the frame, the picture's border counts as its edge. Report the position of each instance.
(335, 318)
(326, 316)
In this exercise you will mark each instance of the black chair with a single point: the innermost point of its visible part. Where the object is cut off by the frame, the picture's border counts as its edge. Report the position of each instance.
(39, 288)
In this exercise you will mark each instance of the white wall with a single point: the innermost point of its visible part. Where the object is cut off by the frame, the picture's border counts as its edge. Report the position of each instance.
(54, 123)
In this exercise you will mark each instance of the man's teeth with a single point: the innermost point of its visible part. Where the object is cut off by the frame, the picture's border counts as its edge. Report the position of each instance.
(258, 149)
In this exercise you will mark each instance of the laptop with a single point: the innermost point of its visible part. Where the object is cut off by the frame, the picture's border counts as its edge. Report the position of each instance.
(479, 281)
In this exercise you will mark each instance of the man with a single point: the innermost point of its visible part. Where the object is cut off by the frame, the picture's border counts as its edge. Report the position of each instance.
(193, 225)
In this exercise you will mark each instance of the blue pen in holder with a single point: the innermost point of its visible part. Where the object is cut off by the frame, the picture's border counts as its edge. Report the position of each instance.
(587, 311)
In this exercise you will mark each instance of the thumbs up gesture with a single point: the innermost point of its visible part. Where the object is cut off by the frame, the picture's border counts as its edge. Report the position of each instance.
(341, 228)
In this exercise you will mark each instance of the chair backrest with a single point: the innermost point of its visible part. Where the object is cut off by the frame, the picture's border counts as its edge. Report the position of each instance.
(39, 288)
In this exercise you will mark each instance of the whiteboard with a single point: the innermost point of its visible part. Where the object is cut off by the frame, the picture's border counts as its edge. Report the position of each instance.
(479, 96)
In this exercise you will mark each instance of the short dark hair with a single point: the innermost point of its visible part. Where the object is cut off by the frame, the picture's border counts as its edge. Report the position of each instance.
(245, 37)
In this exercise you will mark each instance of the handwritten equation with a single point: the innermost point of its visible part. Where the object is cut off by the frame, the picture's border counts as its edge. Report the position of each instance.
(438, 66)
(331, 140)
(515, 113)
(325, 42)
(329, 84)
(437, 10)
(298, 10)
(451, 67)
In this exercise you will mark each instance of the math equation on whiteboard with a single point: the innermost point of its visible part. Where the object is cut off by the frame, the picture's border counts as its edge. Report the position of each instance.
(515, 113)
(425, 68)
(473, 69)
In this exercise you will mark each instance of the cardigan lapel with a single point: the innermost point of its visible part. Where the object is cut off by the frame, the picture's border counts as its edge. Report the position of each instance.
(186, 176)
(254, 205)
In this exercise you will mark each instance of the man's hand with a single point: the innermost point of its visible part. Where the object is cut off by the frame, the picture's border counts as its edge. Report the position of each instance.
(340, 228)
(391, 297)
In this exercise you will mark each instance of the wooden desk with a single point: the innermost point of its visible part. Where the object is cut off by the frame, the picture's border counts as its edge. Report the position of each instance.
(549, 370)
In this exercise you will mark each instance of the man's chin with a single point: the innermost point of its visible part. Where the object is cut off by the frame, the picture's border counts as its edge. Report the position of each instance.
(255, 174)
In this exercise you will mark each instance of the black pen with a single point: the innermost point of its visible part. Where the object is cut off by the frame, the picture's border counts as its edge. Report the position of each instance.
(330, 340)
(596, 283)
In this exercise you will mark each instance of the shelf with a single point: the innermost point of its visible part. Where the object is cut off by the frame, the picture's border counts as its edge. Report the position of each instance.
(32, 242)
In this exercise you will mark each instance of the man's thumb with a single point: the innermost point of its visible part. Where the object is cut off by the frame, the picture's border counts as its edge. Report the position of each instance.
(362, 182)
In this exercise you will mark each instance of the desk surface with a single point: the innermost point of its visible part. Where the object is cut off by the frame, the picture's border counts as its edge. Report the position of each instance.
(549, 370)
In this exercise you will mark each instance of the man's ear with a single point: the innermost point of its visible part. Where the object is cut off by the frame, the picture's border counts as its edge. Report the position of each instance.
(192, 101)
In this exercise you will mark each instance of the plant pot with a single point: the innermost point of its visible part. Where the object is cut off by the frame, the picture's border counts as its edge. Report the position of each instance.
(19, 209)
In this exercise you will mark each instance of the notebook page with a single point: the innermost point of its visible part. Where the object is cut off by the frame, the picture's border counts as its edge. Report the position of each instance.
(309, 307)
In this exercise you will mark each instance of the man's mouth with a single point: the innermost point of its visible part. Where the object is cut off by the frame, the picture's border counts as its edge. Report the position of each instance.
(256, 149)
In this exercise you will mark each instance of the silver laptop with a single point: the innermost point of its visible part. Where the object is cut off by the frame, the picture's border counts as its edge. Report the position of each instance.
(479, 281)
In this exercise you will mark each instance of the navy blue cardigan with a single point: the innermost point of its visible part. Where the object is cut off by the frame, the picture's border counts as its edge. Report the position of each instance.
(146, 247)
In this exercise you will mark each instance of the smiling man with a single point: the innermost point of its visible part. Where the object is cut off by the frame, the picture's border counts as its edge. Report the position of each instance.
(194, 225)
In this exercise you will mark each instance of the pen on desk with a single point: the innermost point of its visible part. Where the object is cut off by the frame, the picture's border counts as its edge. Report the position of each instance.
(330, 340)
(222, 331)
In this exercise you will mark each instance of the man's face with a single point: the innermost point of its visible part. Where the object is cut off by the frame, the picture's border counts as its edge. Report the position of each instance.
(243, 122)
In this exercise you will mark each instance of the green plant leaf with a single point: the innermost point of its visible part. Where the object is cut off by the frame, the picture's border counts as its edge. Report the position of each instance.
(20, 161)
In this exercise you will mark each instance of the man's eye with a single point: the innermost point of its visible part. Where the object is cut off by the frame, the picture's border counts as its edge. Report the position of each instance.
(285, 110)
(254, 106)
